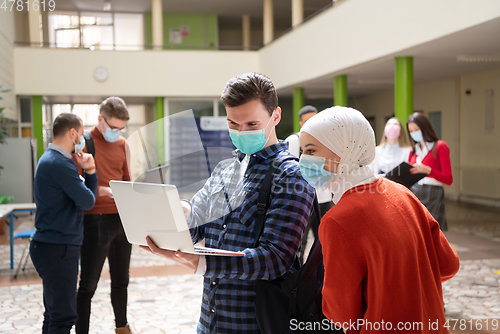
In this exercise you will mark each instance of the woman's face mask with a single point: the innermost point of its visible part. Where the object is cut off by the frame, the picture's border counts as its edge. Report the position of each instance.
(250, 142)
(392, 131)
(417, 136)
(313, 171)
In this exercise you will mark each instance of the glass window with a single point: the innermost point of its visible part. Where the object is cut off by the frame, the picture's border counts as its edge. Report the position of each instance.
(97, 38)
(129, 31)
(25, 106)
(100, 19)
(67, 38)
(200, 108)
(88, 113)
(64, 29)
(435, 118)
(97, 31)
(59, 109)
(222, 109)
(68, 20)
(137, 119)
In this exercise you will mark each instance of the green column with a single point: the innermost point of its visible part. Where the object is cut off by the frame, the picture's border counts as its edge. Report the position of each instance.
(298, 103)
(160, 128)
(403, 88)
(340, 91)
(37, 104)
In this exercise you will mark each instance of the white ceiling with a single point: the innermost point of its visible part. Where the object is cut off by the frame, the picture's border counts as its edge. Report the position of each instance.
(431, 61)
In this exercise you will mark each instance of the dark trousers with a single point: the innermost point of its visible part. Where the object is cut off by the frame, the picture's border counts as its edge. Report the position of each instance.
(313, 224)
(103, 237)
(57, 265)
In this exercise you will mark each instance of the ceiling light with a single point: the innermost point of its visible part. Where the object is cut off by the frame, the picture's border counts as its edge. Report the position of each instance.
(478, 59)
(107, 5)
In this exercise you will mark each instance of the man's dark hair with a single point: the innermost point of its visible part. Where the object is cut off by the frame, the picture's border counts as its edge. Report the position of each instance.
(247, 87)
(114, 107)
(65, 122)
(307, 109)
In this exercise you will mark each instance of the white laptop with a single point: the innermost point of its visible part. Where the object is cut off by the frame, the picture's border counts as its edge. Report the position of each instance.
(155, 210)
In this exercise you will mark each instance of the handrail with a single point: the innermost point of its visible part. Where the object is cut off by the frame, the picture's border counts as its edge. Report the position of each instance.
(135, 47)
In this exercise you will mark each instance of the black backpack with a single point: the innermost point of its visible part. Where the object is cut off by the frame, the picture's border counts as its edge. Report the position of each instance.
(288, 304)
(89, 142)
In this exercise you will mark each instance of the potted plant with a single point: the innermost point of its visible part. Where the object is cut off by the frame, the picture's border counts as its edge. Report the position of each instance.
(3, 135)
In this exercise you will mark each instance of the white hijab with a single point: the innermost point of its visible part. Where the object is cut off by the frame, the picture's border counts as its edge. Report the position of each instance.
(347, 133)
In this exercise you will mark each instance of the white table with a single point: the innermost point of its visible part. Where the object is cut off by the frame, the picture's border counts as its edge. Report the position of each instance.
(8, 210)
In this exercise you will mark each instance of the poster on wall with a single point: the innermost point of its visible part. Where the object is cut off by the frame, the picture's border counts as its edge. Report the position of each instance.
(175, 36)
(185, 31)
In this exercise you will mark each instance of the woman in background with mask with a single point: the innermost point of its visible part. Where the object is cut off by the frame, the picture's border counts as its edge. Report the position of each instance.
(393, 148)
(432, 157)
(384, 254)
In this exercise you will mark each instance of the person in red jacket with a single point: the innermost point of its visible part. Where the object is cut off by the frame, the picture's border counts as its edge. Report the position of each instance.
(430, 156)
(384, 254)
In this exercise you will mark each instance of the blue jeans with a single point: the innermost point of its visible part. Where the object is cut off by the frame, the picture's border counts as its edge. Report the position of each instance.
(57, 265)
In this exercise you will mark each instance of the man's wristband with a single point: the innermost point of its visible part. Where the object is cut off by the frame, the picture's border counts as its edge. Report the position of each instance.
(90, 170)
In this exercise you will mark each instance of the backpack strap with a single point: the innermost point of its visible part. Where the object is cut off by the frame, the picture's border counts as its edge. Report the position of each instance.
(89, 142)
(263, 200)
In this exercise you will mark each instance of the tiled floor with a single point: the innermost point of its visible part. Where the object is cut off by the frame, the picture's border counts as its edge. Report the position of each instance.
(165, 298)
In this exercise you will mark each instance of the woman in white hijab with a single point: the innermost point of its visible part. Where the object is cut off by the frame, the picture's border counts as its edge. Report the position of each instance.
(384, 255)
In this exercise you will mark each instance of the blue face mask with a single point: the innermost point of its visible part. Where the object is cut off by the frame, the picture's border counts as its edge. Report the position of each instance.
(417, 136)
(249, 142)
(313, 171)
(81, 146)
(111, 136)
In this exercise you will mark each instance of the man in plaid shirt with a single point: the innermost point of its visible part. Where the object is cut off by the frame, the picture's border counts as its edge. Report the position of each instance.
(224, 211)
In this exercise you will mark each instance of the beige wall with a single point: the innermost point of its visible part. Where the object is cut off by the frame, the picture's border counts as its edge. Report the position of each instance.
(479, 148)
(442, 96)
(21, 22)
(463, 121)
(131, 73)
(380, 106)
(7, 37)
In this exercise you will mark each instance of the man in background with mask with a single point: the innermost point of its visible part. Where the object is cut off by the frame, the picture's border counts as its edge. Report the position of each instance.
(103, 232)
(224, 211)
(61, 197)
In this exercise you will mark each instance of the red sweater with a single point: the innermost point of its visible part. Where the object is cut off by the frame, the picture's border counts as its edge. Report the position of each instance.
(385, 258)
(440, 166)
(111, 164)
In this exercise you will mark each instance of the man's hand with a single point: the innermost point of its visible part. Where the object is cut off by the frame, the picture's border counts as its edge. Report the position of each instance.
(186, 207)
(85, 160)
(104, 191)
(186, 259)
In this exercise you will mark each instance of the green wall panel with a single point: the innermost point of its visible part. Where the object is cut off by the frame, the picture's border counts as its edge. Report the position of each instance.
(203, 30)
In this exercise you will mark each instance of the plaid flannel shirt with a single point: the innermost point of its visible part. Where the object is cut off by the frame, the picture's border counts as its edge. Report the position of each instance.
(229, 288)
